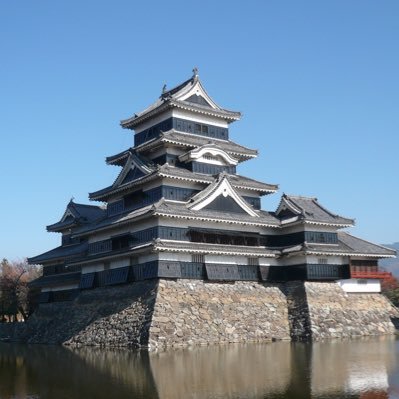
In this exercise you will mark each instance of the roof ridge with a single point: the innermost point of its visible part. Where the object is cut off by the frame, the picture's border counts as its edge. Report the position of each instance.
(300, 196)
(177, 88)
(88, 205)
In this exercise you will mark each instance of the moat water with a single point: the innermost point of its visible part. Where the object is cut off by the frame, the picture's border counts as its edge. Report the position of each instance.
(364, 368)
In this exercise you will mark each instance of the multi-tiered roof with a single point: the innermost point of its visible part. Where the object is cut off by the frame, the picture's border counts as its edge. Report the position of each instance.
(178, 194)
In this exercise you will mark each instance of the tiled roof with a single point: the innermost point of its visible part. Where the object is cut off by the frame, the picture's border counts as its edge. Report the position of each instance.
(192, 141)
(116, 220)
(196, 247)
(120, 158)
(59, 253)
(56, 279)
(81, 214)
(348, 245)
(310, 210)
(173, 172)
(237, 181)
(173, 99)
(363, 246)
(180, 211)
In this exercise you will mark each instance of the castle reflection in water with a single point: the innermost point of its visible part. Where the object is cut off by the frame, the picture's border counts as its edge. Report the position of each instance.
(366, 368)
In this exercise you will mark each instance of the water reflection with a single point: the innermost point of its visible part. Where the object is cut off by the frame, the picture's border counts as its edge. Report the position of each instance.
(353, 366)
(353, 369)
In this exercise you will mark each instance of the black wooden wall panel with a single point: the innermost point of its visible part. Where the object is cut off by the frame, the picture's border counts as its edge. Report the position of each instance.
(248, 272)
(87, 281)
(222, 272)
(45, 297)
(192, 270)
(169, 269)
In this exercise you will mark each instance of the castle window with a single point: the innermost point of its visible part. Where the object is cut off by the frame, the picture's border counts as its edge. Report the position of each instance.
(322, 261)
(253, 261)
(198, 258)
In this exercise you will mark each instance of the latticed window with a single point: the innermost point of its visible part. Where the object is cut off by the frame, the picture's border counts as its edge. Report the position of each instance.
(322, 261)
(198, 258)
(253, 261)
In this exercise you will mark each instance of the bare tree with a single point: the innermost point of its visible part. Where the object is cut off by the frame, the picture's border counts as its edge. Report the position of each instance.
(15, 295)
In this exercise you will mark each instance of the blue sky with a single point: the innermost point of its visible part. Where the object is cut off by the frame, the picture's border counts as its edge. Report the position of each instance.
(317, 83)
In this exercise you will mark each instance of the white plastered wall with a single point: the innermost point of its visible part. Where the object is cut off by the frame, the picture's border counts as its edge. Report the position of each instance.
(360, 285)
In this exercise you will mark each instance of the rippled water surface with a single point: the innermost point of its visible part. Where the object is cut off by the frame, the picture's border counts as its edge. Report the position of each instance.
(367, 369)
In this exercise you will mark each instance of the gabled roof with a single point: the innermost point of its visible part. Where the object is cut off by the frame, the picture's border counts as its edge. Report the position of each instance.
(136, 169)
(307, 209)
(60, 252)
(134, 163)
(221, 187)
(188, 140)
(189, 95)
(77, 214)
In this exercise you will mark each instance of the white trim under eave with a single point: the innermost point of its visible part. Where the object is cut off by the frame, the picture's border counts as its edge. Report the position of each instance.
(216, 251)
(295, 221)
(208, 219)
(198, 154)
(348, 254)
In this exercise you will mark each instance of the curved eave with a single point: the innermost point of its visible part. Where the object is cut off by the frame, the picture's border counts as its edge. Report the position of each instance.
(228, 116)
(134, 217)
(56, 280)
(103, 195)
(156, 142)
(339, 225)
(106, 256)
(59, 253)
(59, 228)
(217, 220)
(257, 189)
(207, 181)
(118, 159)
(297, 220)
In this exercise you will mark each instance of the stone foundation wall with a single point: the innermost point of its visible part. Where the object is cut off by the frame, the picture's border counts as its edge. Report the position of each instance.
(164, 313)
(298, 311)
(113, 316)
(334, 313)
(196, 312)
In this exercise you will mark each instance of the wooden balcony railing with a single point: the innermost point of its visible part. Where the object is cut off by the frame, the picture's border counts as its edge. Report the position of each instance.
(371, 274)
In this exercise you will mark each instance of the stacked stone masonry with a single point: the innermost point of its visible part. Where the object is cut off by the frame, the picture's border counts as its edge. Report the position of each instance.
(334, 313)
(165, 313)
(190, 312)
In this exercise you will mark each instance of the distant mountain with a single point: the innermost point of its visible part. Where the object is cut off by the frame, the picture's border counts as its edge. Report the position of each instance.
(391, 264)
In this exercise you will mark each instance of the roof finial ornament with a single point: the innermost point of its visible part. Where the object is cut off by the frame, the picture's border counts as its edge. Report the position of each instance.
(72, 198)
(164, 89)
(195, 72)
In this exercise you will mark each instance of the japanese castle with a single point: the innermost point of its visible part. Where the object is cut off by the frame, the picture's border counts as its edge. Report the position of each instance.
(178, 209)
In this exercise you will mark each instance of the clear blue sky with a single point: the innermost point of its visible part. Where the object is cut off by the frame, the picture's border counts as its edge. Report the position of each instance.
(317, 83)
